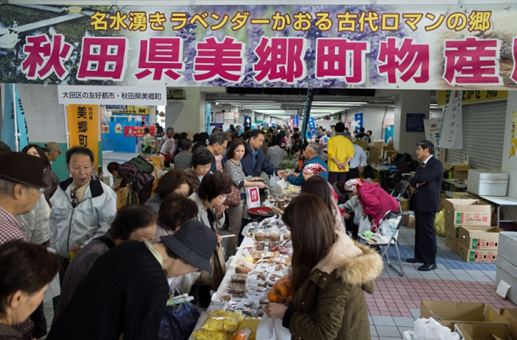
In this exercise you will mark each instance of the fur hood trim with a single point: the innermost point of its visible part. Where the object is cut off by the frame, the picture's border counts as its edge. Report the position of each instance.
(356, 263)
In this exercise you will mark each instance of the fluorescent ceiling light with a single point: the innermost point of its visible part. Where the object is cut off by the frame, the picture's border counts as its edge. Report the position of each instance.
(318, 103)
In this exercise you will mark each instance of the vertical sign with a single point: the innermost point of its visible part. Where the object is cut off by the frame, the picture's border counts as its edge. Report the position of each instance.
(8, 130)
(359, 119)
(296, 121)
(513, 141)
(415, 122)
(451, 134)
(83, 126)
(208, 110)
(247, 121)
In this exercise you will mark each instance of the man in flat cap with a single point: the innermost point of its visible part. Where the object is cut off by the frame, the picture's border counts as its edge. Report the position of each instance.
(21, 185)
(53, 151)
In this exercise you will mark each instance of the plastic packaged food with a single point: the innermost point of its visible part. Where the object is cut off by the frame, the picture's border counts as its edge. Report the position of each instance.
(203, 334)
(242, 269)
(239, 278)
(251, 324)
(260, 235)
(222, 321)
(287, 235)
(274, 235)
(237, 289)
(260, 245)
(241, 335)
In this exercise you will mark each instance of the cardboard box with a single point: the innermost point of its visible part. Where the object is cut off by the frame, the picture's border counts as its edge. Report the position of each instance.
(451, 242)
(451, 312)
(387, 147)
(459, 195)
(468, 212)
(483, 331)
(378, 144)
(458, 171)
(511, 316)
(373, 155)
(409, 221)
(451, 230)
(474, 255)
(479, 237)
(362, 143)
(387, 153)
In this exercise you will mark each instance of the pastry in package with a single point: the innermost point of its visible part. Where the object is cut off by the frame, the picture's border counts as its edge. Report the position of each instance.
(222, 321)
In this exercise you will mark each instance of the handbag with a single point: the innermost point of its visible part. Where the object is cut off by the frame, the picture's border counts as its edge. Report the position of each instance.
(233, 199)
(178, 322)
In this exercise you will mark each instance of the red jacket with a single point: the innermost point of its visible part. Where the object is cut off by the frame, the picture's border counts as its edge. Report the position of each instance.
(375, 201)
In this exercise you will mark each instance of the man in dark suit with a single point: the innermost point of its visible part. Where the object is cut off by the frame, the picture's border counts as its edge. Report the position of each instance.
(427, 182)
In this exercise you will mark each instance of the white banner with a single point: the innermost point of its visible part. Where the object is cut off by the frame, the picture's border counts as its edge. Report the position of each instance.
(451, 136)
(432, 129)
(110, 95)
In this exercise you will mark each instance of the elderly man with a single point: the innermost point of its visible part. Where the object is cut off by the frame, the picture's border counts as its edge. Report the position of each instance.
(83, 207)
(217, 144)
(312, 155)
(53, 151)
(167, 147)
(358, 162)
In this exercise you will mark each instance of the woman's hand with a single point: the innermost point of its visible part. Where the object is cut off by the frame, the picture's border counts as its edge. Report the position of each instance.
(220, 208)
(346, 216)
(275, 310)
(364, 214)
(219, 238)
(262, 185)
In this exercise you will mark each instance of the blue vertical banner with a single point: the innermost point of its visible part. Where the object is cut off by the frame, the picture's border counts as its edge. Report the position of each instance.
(359, 119)
(23, 131)
(247, 121)
(8, 132)
(312, 123)
(296, 121)
(208, 113)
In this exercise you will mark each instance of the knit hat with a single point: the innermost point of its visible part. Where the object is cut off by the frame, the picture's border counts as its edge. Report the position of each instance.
(353, 184)
(194, 243)
(314, 168)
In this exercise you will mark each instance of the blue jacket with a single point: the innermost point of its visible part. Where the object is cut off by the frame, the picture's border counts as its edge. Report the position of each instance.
(300, 180)
(262, 163)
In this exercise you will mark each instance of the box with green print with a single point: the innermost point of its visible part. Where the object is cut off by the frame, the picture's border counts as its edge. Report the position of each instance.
(479, 237)
(467, 212)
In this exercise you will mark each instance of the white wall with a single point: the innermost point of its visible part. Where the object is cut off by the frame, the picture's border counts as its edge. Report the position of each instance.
(408, 102)
(44, 115)
(372, 118)
(186, 115)
(509, 164)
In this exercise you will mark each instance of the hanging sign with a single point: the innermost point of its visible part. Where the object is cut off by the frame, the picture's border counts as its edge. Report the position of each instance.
(137, 131)
(415, 122)
(107, 95)
(362, 46)
(432, 129)
(83, 127)
(442, 96)
(451, 133)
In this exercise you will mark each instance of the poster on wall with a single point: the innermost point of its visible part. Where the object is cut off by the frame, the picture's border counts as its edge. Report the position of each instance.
(105, 127)
(83, 127)
(319, 46)
(451, 133)
(138, 131)
(513, 142)
(415, 122)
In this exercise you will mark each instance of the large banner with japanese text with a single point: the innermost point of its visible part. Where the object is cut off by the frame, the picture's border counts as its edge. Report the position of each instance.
(83, 127)
(318, 46)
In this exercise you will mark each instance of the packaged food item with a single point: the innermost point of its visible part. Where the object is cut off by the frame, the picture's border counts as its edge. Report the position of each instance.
(222, 321)
(260, 235)
(203, 334)
(239, 278)
(273, 244)
(274, 235)
(243, 334)
(251, 324)
(287, 235)
(260, 245)
(237, 289)
(242, 269)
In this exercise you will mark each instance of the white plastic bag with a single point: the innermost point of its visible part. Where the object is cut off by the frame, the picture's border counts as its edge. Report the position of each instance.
(430, 329)
(252, 197)
(364, 225)
(384, 228)
(358, 211)
(272, 329)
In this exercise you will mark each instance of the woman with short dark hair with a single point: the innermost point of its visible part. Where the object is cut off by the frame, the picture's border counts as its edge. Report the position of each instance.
(173, 182)
(49, 176)
(132, 222)
(174, 211)
(328, 275)
(202, 160)
(27, 269)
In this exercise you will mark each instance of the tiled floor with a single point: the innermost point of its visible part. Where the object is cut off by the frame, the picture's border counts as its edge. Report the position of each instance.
(395, 304)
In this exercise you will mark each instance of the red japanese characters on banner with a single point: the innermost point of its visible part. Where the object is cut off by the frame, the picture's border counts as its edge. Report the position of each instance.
(137, 131)
(103, 58)
(219, 59)
(404, 62)
(333, 57)
(162, 55)
(280, 59)
(45, 56)
(472, 61)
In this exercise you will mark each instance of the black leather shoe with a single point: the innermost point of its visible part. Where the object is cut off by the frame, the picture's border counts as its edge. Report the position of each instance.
(414, 260)
(427, 267)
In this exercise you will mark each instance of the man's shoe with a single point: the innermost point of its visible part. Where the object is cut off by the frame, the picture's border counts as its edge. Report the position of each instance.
(414, 260)
(427, 267)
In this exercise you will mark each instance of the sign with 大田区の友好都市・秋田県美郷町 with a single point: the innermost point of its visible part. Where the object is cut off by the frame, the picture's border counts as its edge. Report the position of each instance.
(316, 46)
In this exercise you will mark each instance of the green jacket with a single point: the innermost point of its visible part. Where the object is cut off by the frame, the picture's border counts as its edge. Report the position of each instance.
(331, 304)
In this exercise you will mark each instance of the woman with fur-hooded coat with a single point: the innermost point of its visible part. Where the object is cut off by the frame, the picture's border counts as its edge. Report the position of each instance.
(330, 273)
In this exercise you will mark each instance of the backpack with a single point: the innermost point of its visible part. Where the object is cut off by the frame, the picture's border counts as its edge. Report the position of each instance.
(142, 164)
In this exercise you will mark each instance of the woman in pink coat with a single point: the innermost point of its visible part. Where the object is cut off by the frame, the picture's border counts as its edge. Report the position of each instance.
(375, 201)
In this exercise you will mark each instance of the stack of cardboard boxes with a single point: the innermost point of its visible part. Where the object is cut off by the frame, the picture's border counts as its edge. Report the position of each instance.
(507, 263)
(468, 231)
(473, 320)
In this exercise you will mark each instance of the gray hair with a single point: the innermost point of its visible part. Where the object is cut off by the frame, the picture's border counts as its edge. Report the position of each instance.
(6, 187)
(315, 147)
(217, 138)
(169, 130)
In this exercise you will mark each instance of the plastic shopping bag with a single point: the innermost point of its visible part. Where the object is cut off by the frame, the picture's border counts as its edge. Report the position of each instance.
(252, 197)
(178, 322)
(439, 223)
(430, 329)
(272, 329)
(364, 225)
(358, 213)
